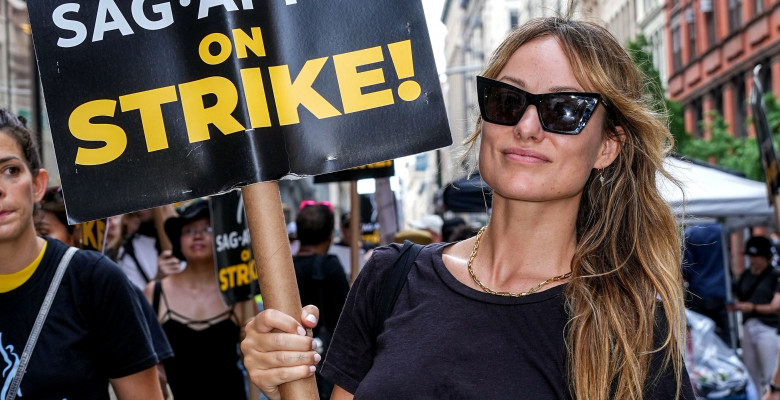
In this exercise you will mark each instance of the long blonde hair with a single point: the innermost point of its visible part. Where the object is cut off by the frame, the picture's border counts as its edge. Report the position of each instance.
(628, 251)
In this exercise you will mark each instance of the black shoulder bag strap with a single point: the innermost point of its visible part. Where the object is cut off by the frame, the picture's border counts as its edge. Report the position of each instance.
(394, 282)
(39, 321)
(130, 250)
(156, 296)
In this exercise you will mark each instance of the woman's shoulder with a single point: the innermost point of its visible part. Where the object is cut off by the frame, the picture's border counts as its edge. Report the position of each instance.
(82, 259)
(384, 259)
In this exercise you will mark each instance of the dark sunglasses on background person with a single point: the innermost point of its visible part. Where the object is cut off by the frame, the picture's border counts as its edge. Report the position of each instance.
(560, 112)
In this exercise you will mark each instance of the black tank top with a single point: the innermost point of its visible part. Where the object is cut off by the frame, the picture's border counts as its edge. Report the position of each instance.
(206, 362)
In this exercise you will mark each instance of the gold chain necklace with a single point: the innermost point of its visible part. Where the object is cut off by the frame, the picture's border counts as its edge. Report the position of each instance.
(507, 294)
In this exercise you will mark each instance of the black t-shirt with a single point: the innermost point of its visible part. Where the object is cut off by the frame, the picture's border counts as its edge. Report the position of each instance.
(763, 286)
(326, 288)
(445, 340)
(160, 342)
(95, 329)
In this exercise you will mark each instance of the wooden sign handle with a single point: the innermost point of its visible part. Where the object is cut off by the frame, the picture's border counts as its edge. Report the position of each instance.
(275, 270)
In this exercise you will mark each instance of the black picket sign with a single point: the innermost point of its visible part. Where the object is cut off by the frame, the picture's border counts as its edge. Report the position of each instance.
(152, 102)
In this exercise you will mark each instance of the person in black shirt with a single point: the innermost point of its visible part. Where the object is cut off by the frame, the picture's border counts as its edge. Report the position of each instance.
(51, 221)
(759, 301)
(203, 331)
(558, 296)
(94, 333)
(321, 278)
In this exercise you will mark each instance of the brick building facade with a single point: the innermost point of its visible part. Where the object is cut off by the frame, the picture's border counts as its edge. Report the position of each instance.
(712, 48)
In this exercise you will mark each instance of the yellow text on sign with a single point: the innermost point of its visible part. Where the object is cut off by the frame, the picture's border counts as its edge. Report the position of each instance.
(349, 70)
(237, 275)
(92, 234)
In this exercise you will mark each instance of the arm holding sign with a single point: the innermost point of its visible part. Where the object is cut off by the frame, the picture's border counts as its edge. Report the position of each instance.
(167, 264)
(277, 349)
(557, 250)
(160, 215)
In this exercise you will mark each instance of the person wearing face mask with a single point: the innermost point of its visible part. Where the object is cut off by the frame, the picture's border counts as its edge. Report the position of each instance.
(573, 290)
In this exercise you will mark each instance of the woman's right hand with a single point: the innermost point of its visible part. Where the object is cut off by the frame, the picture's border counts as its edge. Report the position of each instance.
(277, 350)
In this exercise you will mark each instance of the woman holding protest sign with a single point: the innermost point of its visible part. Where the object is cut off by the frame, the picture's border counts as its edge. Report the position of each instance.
(70, 322)
(204, 333)
(559, 292)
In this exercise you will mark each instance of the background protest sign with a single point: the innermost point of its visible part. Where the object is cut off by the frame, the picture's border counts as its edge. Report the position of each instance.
(93, 235)
(382, 169)
(154, 102)
(236, 273)
(766, 146)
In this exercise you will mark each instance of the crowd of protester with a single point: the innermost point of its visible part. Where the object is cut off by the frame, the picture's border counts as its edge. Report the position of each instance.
(182, 308)
(146, 318)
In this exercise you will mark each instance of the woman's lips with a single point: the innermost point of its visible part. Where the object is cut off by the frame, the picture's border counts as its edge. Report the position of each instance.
(527, 156)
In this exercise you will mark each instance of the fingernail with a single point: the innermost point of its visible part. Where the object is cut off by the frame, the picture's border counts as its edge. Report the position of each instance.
(311, 318)
(301, 331)
(314, 344)
(317, 357)
(312, 369)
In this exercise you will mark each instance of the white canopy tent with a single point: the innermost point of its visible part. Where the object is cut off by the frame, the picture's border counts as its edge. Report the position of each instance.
(711, 193)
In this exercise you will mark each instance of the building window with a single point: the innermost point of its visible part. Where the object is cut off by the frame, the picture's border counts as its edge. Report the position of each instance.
(690, 18)
(712, 37)
(659, 56)
(758, 7)
(717, 100)
(676, 48)
(514, 19)
(697, 117)
(740, 101)
(421, 162)
(735, 15)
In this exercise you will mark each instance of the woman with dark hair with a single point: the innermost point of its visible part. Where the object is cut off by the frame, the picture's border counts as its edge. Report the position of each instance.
(50, 217)
(572, 291)
(92, 327)
(204, 333)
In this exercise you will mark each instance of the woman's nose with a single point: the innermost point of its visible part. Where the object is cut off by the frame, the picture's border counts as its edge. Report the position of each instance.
(529, 127)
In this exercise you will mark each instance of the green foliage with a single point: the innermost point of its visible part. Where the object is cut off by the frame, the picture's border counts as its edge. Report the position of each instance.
(739, 154)
(772, 112)
(639, 49)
